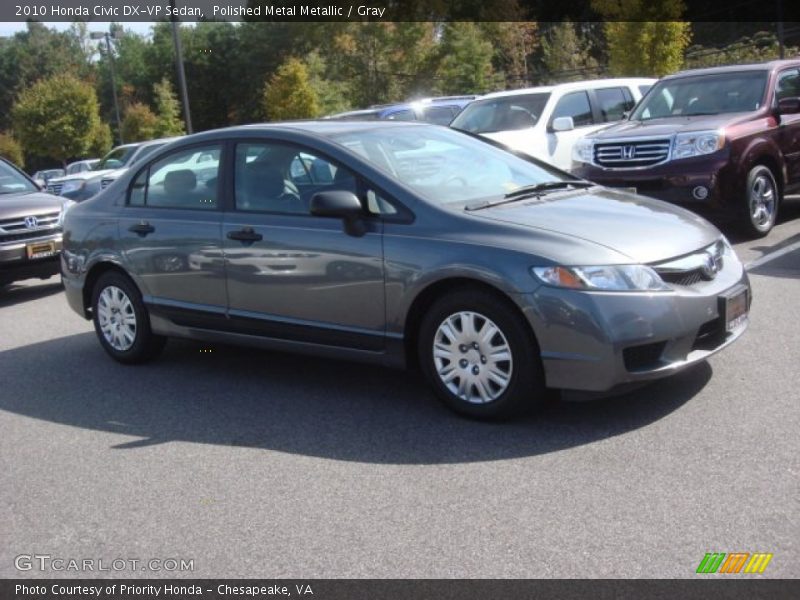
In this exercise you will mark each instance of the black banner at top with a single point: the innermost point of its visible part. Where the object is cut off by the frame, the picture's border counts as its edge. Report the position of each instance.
(396, 10)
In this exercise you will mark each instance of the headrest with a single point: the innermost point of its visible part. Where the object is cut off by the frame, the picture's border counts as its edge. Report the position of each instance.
(180, 182)
(264, 180)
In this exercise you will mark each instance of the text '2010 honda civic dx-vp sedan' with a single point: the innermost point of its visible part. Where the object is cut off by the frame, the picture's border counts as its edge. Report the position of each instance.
(402, 243)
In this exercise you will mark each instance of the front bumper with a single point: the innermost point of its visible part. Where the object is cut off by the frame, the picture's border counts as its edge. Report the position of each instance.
(674, 181)
(597, 341)
(16, 266)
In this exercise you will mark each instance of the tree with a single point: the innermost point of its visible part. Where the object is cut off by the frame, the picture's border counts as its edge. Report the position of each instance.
(139, 123)
(466, 60)
(565, 55)
(11, 150)
(168, 110)
(645, 47)
(56, 117)
(289, 94)
(101, 140)
(331, 95)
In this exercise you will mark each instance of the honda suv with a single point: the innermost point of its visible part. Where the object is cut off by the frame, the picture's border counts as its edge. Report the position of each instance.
(724, 140)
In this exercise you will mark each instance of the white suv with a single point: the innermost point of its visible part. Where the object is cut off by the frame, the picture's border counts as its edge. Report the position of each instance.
(546, 121)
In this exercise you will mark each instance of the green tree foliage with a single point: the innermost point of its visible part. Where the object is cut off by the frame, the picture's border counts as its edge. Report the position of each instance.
(10, 149)
(331, 95)
(289, 94)
(139, 123)
(650, 48)
(101, 140)
(56, 117)
(168, 110)
(466, 61)
(514, 44)
(761, 47)
(565, 55)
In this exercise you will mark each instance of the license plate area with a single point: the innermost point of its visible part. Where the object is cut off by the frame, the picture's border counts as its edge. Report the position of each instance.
(734, 308)
(40, 250)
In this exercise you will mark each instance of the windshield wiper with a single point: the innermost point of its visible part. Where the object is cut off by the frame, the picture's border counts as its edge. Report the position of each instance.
(530, 190)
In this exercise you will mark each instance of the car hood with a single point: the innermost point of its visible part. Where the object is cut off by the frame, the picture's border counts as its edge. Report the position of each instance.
(667, 126)
(86, 175)
(642, 230)
(13, 206)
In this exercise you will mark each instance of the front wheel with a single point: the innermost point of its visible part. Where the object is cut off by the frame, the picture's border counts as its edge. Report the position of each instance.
(478, 354)
(762, 198)
(121, 320)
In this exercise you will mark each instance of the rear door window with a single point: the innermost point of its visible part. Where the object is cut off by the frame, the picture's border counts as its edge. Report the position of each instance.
(612, 103)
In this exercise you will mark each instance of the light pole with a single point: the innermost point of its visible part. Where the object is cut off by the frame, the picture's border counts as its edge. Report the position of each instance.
(176, 39)
(97, 35)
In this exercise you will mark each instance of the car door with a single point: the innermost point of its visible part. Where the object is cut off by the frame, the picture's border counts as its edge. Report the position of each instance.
(560, 143)
(292, 275)
(171, 235)
(788, 86)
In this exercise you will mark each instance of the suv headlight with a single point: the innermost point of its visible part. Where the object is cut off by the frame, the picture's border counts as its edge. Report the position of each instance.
(616, 278)
(583, 150)
(697, 143)
(73, 185)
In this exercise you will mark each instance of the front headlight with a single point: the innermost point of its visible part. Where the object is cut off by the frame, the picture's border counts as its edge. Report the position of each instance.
(697, 143)
(73, 185)
(616, 278)
(582, 150)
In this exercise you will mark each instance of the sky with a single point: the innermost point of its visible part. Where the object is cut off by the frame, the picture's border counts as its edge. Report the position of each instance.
(10, 28)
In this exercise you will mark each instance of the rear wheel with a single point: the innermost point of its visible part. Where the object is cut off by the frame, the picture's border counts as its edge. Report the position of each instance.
(762, 199)
(121, 320)
(478, 354)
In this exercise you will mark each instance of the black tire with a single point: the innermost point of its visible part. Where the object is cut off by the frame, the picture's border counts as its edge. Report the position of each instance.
(759, 177)
(525, 389)
(145, 344)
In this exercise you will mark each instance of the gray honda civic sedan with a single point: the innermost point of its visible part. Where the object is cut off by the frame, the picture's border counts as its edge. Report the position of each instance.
(402, 244)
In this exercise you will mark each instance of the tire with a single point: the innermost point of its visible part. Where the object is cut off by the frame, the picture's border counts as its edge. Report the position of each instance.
(121, 321)
(761, 202)
(463, 374)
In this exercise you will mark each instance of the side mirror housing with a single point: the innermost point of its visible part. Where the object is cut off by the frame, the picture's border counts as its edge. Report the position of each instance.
(789, 106)
(563, 124)
(343, 205)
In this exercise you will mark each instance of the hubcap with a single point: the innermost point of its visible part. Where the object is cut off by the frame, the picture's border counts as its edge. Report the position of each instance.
(117, 318)
(472, 357)
(762, 202)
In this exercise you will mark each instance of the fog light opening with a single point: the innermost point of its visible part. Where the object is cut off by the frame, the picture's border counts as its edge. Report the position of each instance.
(700, 192)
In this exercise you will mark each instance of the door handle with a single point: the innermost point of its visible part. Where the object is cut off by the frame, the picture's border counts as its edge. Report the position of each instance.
(245, 235)
(142, 228)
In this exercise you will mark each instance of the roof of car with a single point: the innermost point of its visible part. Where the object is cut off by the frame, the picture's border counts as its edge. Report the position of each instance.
(573, 85)
(764, 66)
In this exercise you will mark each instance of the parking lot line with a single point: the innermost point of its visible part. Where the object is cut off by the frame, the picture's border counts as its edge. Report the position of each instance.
(772, 256)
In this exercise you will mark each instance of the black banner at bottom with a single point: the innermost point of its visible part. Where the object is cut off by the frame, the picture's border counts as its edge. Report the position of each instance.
(395, 589)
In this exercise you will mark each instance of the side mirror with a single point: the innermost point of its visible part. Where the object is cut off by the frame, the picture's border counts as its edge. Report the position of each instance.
(563, 124)
(625, 115)
(789, 106)
(343, 205)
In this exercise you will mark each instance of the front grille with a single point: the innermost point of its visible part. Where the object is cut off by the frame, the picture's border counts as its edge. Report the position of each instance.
(643, 357)
(104, 183)
(45, 223)
(691, 269)
(687, 278)
(622, 155)
(27, 235)
(55, 188)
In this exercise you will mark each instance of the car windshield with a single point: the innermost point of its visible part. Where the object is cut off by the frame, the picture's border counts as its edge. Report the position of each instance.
(117, 158)
(703, 95)
(445, 166)
(145, 151)
(505, 113)
(12, 182)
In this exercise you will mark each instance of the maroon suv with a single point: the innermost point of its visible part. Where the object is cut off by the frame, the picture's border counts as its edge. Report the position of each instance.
(722, 140)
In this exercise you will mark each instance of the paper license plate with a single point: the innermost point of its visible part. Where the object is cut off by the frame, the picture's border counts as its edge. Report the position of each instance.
(41, 249)
(735, 310)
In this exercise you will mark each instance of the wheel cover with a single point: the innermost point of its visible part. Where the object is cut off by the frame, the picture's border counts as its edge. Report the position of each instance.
(116, 318)
(762, 202)
(472, 357)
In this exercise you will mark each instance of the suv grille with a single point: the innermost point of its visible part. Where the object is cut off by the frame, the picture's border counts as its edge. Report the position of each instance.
(55, 188)
(12, 230)
(642, 153)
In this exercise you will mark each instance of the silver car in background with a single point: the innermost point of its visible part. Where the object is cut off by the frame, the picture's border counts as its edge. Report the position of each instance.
(402, 244)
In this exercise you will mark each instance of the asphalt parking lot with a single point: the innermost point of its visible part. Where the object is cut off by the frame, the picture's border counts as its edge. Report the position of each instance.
(256, 464)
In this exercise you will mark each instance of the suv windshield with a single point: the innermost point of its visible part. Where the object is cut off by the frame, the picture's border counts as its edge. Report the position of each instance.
(703, 95)
(505, 113)
(11, 182)
(117, 158)
(445, 166)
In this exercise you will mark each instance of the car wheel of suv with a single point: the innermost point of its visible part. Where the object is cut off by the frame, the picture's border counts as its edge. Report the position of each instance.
(479, 355)
(762, 201)
(121, 320)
